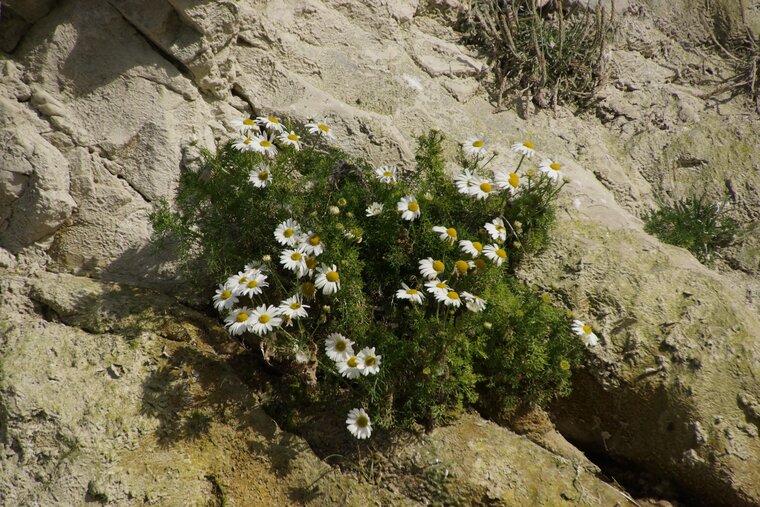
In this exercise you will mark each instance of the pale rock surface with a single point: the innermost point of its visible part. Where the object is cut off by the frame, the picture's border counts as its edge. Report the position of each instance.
(121, 404)
(112, 94)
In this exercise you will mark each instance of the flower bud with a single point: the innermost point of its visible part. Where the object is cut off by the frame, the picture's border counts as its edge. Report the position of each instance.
(340, 226)
(428, 196)
(350, 214)
(334, 210)
(487, 325)
(342, 202)
(266, 258)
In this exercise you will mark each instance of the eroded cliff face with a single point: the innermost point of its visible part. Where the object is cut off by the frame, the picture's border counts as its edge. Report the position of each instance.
(103, 103)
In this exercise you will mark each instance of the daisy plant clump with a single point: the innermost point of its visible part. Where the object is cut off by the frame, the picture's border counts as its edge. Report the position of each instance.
(382, 292)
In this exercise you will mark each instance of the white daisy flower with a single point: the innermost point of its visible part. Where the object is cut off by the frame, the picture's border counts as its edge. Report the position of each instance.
(474, 303)
(410, 294)
(370, 361)
(338, 347)
(291, 139)
(320, 128)
(351, 367)
(244, 143)
(237, 322)
(374, 209)
(449, 298)
(409, 208)
(461, 267)
(463, 181)
(446, 233)
(264, 319)
(260, 176)
(386, 174)
(270, 122)
(437, 288)
(328, 279)
(309, 290)
(257, 266)
(475, 146)
(293, 308)
(526, 149)
(496, 229)
(256, 283)
(313, 244)
(237, 282)
(496, 253)
(585, 332)
(294, 259)
(507, 181)
(287, 232)
(551, 169)
(264, 145)
(474, 248)
(224, 298)
(311, 265)
(245, 124)
(431, 269)
(358, 423)
(481, 188)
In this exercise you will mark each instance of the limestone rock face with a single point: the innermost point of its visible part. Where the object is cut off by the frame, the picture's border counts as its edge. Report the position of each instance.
(102, 104)
(126, 398)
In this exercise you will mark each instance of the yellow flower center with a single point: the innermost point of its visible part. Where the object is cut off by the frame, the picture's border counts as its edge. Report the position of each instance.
(478, 143)
(253, 284)
(477, 245)
(413, 207)
(295, 306)
(265, 144)
(411, 292)
(323, 127)
(461, 266)
(501, 253)
(332, 276)
(288, 232)
(554, 166)
(295, 256)
(264, 318)
(451, 232)
(452, 295)
(263, 175)
(314, 240)
(352, 362)
(486, 187)
(529, 145)
(311, 262)
(480, 264)
(248, 121)
(587, 330)
(514, 180)
(340, 346)
(370, 361)
(441, 285)
(293, 137)
(273, 119)
(362, 421)
(564, 364)
(500, 228)
(247, 140)
(308, 289)
(243, 280)
(241, 317)
(226, 294)
(438, 266)
(387, 174)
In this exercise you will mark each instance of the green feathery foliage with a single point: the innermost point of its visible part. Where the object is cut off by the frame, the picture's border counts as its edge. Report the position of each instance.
(694, 223)
(435, 357)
